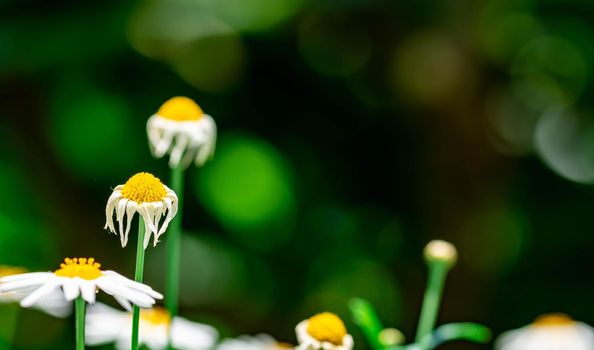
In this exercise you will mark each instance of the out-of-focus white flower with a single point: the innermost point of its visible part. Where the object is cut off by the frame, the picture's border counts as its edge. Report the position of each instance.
(107, 325)
(549, 332)
(78, 276)
(181, 129)
(53, 304)
(323, 331)
(145, 194)
(248, 342)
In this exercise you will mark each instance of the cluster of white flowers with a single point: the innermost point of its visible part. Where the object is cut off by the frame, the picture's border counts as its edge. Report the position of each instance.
(183, 131)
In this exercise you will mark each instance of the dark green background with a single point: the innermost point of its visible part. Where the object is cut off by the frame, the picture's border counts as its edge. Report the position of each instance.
(350, 134)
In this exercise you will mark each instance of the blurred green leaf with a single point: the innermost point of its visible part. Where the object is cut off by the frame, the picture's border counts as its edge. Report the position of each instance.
(366, 318)
(467, 331)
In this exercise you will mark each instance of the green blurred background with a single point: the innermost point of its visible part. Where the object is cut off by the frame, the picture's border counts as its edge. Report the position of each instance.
(350, 133)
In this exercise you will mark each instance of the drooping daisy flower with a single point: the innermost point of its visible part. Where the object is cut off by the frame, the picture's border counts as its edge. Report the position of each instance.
(181, 129)
(145, 194)
(549, 332)
(247, 342)
(78, 276)
(52, 304)
(107, 325)
(323, 331)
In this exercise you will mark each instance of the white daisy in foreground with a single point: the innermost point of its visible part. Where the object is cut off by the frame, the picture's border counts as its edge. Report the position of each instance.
(78, 276)
(323, 331)
(549, 332)
(145, 194)
(181, 129)
(106, 325)
(248, 342)
(52, 304)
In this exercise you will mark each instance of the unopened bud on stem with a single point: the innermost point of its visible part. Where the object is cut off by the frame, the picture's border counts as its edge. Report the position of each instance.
(441, 251)
(391, 337)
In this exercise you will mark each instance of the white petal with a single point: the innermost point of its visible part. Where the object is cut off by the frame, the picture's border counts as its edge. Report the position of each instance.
(88, 291)
(164, 144)
(178, 150)
(124, 302)
(104, 324)
(71, 288)
(40, 292)
(192, 336)
(120, 211)
(130, 211)
(24, 281)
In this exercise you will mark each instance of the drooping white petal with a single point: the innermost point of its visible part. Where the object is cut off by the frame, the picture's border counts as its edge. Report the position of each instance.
(71, 288)
(189, 335)
(133, 284)
(124, 302)
(114, 287)
(145, 209)
(164, 143)
(130, 210)
(178, 150)
(88, 291)
(110, 207)
(120, 211)
(43, 290)
(104, 324)
(24, 281)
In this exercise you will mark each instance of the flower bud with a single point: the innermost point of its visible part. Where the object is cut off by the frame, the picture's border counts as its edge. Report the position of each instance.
(441, 251)
(391, 337)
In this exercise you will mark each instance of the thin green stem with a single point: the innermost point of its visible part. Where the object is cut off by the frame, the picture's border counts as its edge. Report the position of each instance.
(138, 278)
(438, 271)
(174, 243)
(79, 305)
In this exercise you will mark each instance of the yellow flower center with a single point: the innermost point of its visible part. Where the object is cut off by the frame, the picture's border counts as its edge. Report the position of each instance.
(553, 320)
(327, 327)
(11, 270)
(180, 109)
(84, 268)
(156, 316)
(144, 187)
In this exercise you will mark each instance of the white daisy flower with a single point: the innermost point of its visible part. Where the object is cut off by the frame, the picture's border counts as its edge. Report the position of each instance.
(323, 331)
(106, 325)
(549, 332)
(52, 304)
(78, 276)
(181, 129)
(248, 342)
(145, 194)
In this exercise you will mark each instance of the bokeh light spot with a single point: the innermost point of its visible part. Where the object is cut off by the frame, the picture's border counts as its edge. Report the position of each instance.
(503, 36)
(253, 15)
(557, 58)
(213, 63)
(248, 188)
(159, 29)
(565, 142)
(93, 133)
(429, 68)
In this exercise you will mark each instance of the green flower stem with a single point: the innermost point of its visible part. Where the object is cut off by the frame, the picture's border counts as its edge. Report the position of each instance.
(79, 305)
(174, 243)
(138, 278)
(438, 271)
